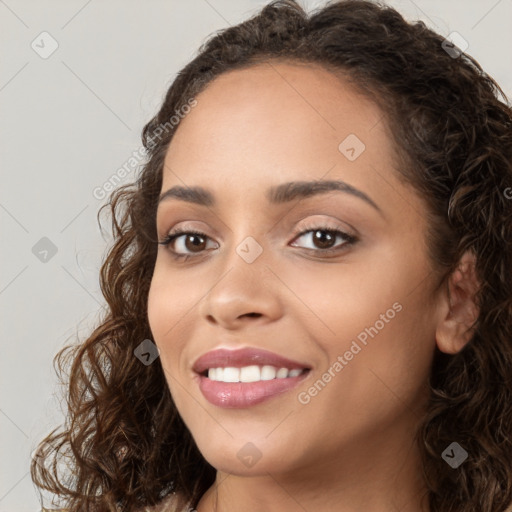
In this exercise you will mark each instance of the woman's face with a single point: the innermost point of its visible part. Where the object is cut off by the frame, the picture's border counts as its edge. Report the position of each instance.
(360, 315)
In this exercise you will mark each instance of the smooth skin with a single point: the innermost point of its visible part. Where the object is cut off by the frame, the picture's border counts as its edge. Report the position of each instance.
(351, 448)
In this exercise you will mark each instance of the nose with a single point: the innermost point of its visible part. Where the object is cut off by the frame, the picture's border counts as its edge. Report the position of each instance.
(244, 294)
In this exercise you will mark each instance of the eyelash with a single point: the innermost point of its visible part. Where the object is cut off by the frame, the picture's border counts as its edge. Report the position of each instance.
(349, 239)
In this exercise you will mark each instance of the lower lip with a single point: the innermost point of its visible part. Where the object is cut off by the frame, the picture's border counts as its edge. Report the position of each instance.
(237, 395)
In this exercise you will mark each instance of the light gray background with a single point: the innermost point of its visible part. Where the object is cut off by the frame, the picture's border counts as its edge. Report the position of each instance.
(67, 124)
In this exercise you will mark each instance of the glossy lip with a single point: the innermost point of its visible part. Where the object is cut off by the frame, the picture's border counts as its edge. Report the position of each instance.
(240, 395)
(244, 357)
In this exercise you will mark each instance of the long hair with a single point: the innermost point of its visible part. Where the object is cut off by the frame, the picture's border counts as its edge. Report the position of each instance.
(451, 127)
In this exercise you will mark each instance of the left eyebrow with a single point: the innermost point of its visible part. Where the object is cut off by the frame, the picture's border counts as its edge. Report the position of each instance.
(282, 193)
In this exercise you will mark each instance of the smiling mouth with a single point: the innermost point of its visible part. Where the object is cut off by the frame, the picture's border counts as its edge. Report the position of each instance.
(242, 387)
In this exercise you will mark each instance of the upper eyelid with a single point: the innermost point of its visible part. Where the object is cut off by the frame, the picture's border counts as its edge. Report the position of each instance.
(307, 210)
(324, 225)
(336, 224)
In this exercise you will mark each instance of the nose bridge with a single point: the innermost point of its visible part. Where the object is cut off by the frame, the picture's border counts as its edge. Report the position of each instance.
(245, 269)
(243, 286)
(247, 233)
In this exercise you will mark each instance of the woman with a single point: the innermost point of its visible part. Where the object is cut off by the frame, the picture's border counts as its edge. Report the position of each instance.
(309, 289)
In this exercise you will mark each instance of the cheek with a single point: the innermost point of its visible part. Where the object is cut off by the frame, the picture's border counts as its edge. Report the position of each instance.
(167, 307)
(377, 318)
(172, 314)
(170, 299)
(159, 305)
(163, 316)
(345, 300)
(379, 382)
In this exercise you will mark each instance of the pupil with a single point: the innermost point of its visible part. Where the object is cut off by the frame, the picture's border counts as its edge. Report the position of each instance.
(191, 237)
(323, 243)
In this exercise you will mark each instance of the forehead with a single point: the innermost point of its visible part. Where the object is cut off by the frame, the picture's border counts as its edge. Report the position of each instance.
(276, 122)
(291, 98)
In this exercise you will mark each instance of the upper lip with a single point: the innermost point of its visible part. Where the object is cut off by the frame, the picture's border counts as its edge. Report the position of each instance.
(244, 357)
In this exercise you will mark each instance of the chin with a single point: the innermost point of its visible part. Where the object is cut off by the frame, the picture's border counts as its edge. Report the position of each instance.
(244, 458)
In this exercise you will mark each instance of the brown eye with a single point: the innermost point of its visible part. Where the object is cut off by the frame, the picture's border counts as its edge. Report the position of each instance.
(193, 242)
(324, 239)
(186, 243)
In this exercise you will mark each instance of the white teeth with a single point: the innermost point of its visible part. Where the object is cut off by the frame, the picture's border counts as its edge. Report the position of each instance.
(268, 373)
(251, 373)
(282, 373)
(231, 375)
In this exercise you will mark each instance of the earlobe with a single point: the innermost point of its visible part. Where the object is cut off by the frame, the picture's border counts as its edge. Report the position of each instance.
(458, 307)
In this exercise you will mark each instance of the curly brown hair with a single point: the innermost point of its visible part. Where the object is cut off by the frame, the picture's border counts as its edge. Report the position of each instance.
(127, 442)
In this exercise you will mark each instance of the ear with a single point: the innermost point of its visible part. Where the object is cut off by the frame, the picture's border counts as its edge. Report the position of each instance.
(458, 307)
